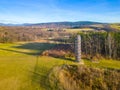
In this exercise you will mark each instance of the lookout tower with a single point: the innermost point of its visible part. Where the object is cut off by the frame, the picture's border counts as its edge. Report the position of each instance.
(78, 49)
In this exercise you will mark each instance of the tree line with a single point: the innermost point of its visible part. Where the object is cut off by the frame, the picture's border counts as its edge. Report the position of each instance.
(106, 44)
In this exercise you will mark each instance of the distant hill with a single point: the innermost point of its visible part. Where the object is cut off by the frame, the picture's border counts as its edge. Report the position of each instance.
(10, 24)
(63, 24)
(72, 25)
(69, 23)
(1, 24)
(55, 24)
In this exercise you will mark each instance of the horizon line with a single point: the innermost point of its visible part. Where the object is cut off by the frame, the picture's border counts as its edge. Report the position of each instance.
(51, 22)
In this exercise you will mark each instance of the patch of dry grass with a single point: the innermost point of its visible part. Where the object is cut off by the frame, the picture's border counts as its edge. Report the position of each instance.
(73, 77)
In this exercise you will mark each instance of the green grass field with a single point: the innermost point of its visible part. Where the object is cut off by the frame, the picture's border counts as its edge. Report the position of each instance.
(21, 67)
(116, 26)
(78, 30)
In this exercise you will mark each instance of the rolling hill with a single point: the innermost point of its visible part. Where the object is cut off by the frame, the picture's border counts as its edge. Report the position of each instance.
(67, 24)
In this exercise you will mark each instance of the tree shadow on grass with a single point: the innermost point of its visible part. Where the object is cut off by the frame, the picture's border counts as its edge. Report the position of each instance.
(40, 75)
(10, 50)
(67, 59)
(35, 48)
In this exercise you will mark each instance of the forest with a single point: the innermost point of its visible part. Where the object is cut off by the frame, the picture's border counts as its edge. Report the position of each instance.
(105, 44)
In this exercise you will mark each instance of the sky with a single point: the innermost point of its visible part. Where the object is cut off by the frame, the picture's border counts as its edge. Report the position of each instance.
(40, 11)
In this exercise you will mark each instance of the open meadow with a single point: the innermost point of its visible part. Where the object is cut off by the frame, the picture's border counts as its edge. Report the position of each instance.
(22, 67)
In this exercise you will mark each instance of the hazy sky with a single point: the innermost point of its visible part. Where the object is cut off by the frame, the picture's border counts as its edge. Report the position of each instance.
(37, 11)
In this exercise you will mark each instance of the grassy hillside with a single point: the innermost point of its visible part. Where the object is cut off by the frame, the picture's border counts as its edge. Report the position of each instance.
(22, 69)
(74, 77)
(116, 26)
